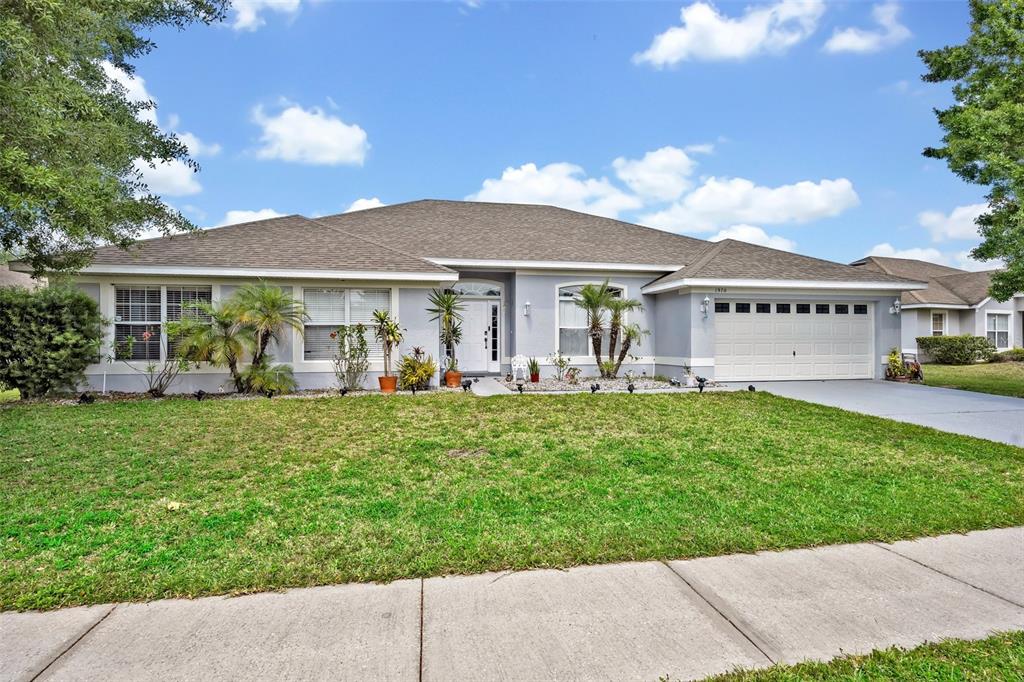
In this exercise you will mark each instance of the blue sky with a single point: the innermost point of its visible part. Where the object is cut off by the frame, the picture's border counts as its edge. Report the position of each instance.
(795, 124)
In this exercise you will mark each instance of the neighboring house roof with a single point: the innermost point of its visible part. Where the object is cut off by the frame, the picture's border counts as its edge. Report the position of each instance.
(10, 278)
(479, 231)
(730, 259)
(947, 286)
(290, 243)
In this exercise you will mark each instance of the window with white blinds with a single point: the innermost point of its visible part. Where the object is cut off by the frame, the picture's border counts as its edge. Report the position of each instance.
(573, 329)
(181, 302)
(137, 317)
(329, 308)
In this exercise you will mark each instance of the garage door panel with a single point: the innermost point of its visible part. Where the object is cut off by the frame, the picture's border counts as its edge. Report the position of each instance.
(793, 346)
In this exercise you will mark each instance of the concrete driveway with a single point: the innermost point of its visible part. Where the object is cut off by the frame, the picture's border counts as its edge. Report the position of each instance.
(992, 417)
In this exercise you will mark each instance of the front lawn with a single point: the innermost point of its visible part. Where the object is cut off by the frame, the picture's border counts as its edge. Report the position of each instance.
(148, 499)
(1000, 657)
(1001, 378)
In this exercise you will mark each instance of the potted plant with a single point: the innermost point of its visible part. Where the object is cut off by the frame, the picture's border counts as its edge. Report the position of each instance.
(390, 335)
(534, 366)
(895, 369)
(446, 308)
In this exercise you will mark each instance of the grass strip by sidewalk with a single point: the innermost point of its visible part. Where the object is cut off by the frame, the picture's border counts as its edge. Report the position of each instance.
(151, 499)
(999, 378)
(997, 658)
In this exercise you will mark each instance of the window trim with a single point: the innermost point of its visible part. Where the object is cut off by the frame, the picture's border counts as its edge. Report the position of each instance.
(558, 322)
(1009, 329)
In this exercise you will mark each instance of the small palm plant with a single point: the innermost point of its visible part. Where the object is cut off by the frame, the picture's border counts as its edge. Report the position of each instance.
(617, 309)
(217, 336)
(631, 334)
(387, 331)
(594, 299)
(267, 310)
(446, 308)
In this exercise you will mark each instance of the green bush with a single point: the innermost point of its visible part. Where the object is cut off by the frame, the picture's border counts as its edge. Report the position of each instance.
(270, 380)
(416, 370)
(956, 350)
(1012, 355)
(49, 336)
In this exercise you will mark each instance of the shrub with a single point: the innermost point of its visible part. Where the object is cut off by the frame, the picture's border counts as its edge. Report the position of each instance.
(1012, 355)
(894, 365)
(956, 350)
(270, 380)
(351, 362)
(49, 337)
(415, 371)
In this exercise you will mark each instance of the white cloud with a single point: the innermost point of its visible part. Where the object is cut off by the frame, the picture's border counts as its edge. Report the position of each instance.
(958, 259)
(727, 201)
(889, 32)
(135, 89)
(959, 224)
(707, 35)
(705, 148)
(964, 261)
(249, 13)
(310, 136)
(663, 174)
(363, 204)
(557, 184)
(174, 178)
(754, 235)
(197, 147)
(243, 216)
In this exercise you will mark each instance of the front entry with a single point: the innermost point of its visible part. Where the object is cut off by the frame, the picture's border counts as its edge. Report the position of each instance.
(478, 351)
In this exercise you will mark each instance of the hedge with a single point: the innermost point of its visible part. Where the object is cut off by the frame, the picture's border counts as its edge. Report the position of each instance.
(956, 350)
(47, 338)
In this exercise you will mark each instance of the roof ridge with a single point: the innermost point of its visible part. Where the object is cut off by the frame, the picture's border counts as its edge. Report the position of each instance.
(705, 257)
(377, 244)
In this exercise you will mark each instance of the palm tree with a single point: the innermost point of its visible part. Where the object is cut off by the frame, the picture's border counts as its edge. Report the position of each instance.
(631, 333)
(267, 310)
(215, 335)
(617, 309)
(447, 307)
(594, 300)
(388, 333)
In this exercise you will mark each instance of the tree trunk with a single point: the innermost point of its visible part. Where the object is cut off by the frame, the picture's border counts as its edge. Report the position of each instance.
(595, 341)
(626, 344)
(261, 348)
(613, 342)
(235, 376)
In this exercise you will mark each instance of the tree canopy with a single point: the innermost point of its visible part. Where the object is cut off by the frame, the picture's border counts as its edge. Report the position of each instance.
(71, 141)
(984, 129)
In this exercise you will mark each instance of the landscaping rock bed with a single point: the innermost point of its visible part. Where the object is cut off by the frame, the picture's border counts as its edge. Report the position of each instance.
(617, 385)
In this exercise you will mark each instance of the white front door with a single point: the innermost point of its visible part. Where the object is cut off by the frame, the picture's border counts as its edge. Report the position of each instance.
(793, 340)
(474, 351)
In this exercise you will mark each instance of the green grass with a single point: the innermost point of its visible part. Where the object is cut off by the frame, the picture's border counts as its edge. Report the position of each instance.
(1001, 378)
(278, 493)
(997, 658)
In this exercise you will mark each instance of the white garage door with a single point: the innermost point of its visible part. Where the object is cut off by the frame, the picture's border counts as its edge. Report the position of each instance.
(791, 340)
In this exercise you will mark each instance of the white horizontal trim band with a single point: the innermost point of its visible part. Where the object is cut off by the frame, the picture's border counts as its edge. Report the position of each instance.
(551, 264)
(782, 284)
(268, 272)
(938, 306)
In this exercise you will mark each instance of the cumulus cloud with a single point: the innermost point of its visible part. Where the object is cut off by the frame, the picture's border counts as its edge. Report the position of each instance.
(957, 259)
(310, 136)
(557, 184)
(249, 13)
(363, 204)
(754, 235)
(889, 32)
(173, 179)
(663, 174)
(707, 35)
(197, 147)
(958, 224)
(244, 216)
(720, 202)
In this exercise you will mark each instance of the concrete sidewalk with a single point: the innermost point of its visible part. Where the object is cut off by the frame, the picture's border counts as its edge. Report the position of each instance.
(637, 621)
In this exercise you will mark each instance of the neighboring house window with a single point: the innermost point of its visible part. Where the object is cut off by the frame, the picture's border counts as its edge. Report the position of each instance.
(573, 330)
(938, 324)
(329, 308)
(142, 308)
(998, 330)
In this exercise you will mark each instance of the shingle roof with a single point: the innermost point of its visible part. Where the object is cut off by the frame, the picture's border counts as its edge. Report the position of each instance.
(10, 278)
(287, 243)
(946, 285)
(486, 231)
(732, 259)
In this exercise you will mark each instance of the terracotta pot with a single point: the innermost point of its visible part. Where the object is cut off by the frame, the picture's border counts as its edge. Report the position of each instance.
(388, 384)
(453, 379)
(902, 380)
(534, 378)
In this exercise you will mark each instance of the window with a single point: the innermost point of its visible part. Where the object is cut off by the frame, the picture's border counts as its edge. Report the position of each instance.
(721, 307)
(137, 316)
(860, 309)
(764, 307)
(181, 302)
(821, 308)
(328, 309)
(803, 308)
(938, 324)
(743, 307)
(487, 289)
(782, 308)
(494, 332)
(573, 334)
(842, 309)
(997, 329)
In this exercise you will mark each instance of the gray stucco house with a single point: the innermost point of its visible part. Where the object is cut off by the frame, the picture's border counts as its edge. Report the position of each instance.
(954, 302)
(729, 310)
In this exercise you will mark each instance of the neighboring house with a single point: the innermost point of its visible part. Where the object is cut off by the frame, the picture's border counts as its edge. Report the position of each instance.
(955, 302)
(10, 278)
(728, 310)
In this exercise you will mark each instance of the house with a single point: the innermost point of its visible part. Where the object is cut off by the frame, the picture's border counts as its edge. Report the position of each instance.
(728, 310)
(10, 278)
(954, 302)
